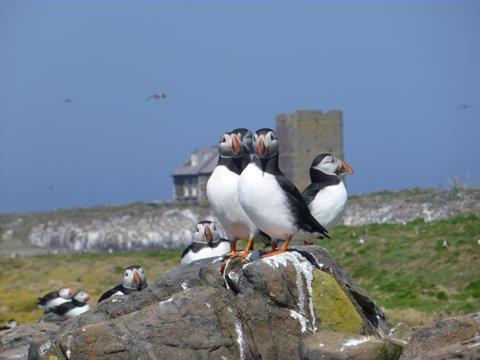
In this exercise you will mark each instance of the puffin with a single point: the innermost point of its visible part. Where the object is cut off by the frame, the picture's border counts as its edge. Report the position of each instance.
(55, 298)
(235, 148)
(270, 200)
(134, 279)
(10, 325)
(73, 308)
(207, 243)
(326, 196)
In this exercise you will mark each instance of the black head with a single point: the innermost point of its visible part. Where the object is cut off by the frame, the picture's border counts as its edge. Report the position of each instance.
(206, 232)
(134, 277)
(265, 143)
(246, 139)
(229, 145)
(331, 165)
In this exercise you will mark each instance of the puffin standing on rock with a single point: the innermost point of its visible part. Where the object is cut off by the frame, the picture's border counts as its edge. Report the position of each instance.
(206, 243)
(134, 279)
(271, 201)
(327, 196)
(55, 298)
(73, 308)
(222, 188)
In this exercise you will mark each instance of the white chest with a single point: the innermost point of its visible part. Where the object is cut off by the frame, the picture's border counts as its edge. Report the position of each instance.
(207, 252)
(222, 193)
(56, 302)
(265, 203)
(329, 205)
(78, 310)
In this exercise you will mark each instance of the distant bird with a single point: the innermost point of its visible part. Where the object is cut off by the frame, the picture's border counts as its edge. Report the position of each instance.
(10, 325)
(445, 244)
(157, 96)
(54, 298)
(134, 279)
(234, 151)
(464, 107)
(67, 100)
(271, 201)
(207, 243)
(73, 308)
(50, 188)
(326, 196)
(478, 241)
(361, 241)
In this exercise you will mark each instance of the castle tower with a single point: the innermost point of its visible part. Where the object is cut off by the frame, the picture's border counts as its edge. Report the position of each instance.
(305, 134)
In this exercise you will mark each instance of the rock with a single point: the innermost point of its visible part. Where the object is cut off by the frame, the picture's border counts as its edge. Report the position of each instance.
(401, 332)
(260, 309)
(334, 345)
(451, 338)
(14, 343)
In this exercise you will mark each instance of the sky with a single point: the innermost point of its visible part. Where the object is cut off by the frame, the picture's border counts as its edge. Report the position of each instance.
(399, 71)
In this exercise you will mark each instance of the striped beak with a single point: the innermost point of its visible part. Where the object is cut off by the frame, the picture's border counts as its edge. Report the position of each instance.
(236, 146)
(261, 146)
(137, 279)
(345, 169)
(208, 234)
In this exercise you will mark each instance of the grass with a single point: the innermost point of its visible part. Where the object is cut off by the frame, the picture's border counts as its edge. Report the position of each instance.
(404, 268)
(24, 279)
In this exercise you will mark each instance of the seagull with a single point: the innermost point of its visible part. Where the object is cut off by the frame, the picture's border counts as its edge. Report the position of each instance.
(464, 107)
(157, 96)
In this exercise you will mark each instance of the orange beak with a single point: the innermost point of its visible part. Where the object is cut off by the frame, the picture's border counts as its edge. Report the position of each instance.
(346, 168)
(208, 234)
(137, 279)
(261, 146)
(236, 144)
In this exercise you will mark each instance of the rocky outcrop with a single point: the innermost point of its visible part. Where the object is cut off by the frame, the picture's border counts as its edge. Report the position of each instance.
(271, 308)
(447, 339)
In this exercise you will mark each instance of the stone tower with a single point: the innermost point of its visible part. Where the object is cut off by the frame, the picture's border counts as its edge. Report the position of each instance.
(305, 134)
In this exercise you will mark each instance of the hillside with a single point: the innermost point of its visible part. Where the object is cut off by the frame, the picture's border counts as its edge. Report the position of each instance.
(404, 268)
(139, 226)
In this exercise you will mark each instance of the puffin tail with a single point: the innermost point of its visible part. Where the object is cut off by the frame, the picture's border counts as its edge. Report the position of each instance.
(315, 226)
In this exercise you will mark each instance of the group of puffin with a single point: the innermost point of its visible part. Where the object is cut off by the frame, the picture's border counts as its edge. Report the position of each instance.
(66, 304)
(253, 200)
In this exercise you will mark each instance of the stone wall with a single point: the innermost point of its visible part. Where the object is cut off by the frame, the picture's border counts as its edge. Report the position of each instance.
(305, 134)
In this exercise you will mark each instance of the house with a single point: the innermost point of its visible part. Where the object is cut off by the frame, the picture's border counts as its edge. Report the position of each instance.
(190, 179)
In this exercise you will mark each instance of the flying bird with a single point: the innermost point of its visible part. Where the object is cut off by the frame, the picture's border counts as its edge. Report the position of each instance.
(67, 100)
(157, 96)
(464, 107)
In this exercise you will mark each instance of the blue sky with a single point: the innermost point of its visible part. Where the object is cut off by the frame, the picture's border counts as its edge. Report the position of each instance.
(398, 70)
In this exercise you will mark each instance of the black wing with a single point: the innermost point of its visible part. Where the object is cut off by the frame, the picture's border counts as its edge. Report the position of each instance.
(46, 298)
(63, 308)
(304, 218)
(311, 191)
(110, 292)
(186, 250)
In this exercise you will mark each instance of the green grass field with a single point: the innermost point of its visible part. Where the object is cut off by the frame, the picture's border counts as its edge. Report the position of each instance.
(404, 268)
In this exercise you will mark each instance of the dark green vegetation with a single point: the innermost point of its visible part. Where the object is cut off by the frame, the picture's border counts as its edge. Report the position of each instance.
(407, 267)
(404, 268)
